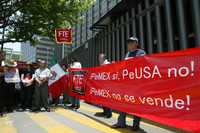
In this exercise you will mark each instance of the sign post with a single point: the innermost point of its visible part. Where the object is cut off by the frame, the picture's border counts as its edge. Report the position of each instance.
(63, 36)
(63, 50)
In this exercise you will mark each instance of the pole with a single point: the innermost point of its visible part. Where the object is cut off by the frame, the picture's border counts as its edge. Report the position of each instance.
(63, 51)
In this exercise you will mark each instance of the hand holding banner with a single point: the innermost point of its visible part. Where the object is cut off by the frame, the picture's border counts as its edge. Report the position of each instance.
(162, 87)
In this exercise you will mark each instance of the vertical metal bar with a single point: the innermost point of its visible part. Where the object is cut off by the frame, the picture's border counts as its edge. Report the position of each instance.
(89, 54)
(181, 24)
(94, 50)
(109, 42)
(122, 37)
(127, 26)
(141, 29)
(63, 51)
(149, 29)
(170, 33)
(98, 48)
(86, 26)
(106, 41)
(158, 28)
(102, 42)
(196, 20)
(133, 22)
(117, 40)
(113, 42)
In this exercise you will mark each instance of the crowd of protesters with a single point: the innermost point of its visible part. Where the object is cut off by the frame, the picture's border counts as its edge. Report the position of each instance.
(29, 89)
(23, 87)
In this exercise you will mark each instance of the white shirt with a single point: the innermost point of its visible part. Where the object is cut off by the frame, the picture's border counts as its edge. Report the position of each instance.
(76, 65)
(12, 76)
(105, 62)
(43, 73)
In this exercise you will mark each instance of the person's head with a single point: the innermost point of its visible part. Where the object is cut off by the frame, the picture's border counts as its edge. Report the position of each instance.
(73, 60)
(132, 43)
(42, 63)
(28, 65)
(102, 58)
(64, 67)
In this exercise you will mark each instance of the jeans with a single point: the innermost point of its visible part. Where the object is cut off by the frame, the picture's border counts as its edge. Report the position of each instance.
(122, 119)
(75, 101)
(107, 111)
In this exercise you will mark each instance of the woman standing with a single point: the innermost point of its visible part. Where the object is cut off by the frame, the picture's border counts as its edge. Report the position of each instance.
(2, 91)
(11, 76)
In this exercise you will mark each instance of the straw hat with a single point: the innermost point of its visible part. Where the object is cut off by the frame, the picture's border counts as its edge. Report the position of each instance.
(10, 63)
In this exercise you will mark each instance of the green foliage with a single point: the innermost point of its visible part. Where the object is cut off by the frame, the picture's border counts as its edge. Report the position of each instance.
(42, 17)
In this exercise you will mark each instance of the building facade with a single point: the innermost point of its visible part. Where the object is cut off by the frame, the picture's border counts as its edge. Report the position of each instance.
(10, 54)
(160, 25)
(59, 52)
(28, 52)
(45, 49)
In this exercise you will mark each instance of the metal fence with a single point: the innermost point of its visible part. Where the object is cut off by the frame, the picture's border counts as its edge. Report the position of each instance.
(160, 25)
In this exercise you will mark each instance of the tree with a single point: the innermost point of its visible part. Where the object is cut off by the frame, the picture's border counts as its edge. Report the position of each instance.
(22, 19)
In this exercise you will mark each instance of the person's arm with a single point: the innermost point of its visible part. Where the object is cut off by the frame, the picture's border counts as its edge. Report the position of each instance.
(48, 76)
(37, 78)
(141, 53)
(31, 80)
(22, 78)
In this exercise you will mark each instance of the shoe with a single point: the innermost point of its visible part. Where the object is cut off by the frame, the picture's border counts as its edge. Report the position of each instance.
(100, 114)
(115, 126)
(48, 109)
(108, 116)
(35, 110)
(72, 106)
(76, 107)
(135, 127)
(20, 110)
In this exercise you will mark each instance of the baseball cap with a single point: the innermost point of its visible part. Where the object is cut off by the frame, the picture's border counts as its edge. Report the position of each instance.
(132, 39)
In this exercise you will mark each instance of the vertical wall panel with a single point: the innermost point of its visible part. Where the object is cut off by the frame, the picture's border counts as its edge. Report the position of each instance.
(169, 27)
(122, 37)
(181, 24)
(141, 29)
(196, 20)
(158, 28)
(149, 29)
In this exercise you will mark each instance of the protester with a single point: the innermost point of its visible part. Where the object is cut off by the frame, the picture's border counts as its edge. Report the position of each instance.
(107, 112)
(2, 89)
(75, 101)
(133, 51)
(27, 78)
(11, 78)
(42, 75)
(66, 93)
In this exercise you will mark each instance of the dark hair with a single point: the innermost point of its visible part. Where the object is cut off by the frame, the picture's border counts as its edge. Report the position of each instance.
(73, 60)
(132, 41)
(104, 55)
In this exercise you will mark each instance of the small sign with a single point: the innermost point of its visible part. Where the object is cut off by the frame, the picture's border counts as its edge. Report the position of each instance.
(63, 36)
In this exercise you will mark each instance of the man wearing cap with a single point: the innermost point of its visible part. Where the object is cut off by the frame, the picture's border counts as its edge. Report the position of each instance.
(107, 112)
(42, 75)
(133, 51)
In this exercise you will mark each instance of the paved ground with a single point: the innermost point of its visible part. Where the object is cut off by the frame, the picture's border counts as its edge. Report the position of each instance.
(67, 121)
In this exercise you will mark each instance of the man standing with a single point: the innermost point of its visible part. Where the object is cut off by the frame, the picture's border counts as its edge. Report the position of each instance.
(42, 75)
(75, 101)
(133, 51)
(107, 112)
